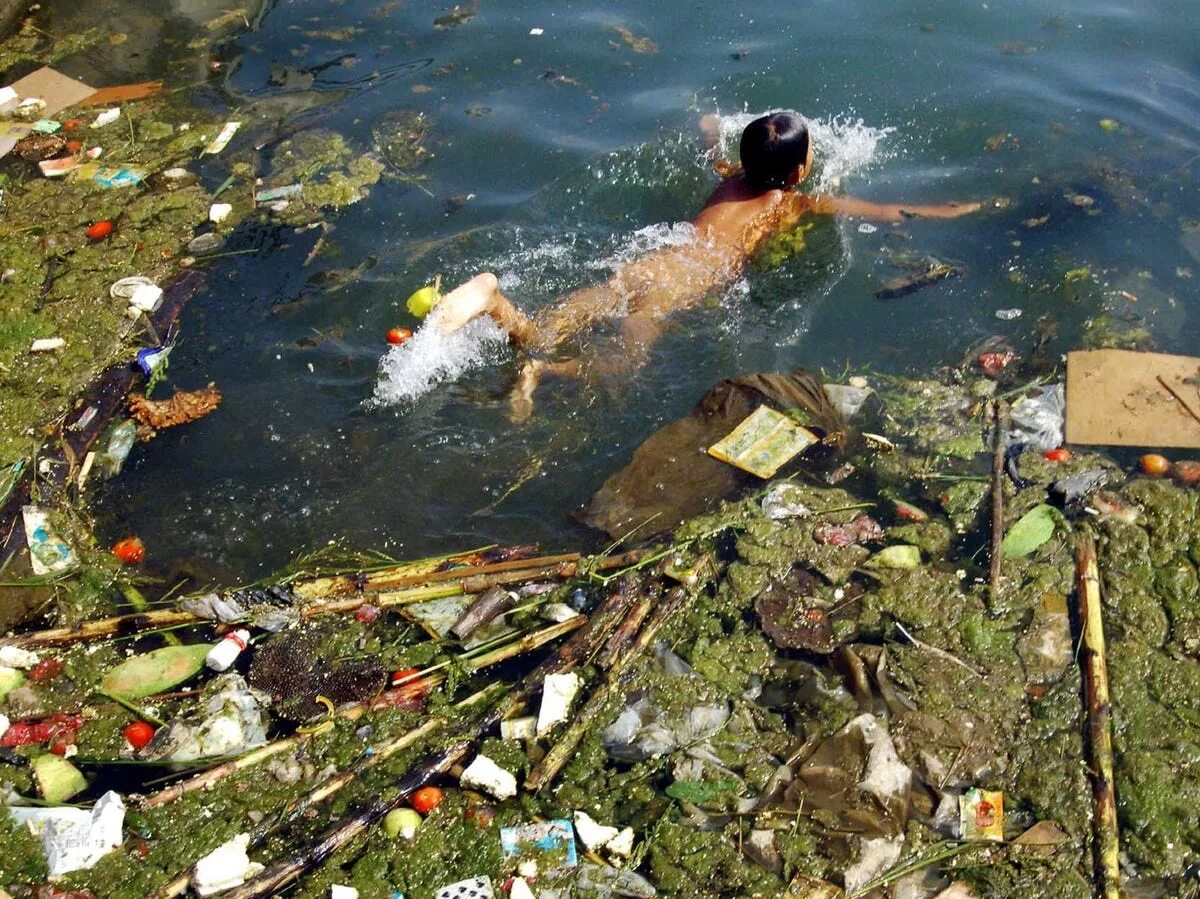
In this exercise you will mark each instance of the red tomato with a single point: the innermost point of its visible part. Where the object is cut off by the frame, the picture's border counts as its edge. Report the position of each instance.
(426, 799)
(366, 613)
(139, 733)
(45, 671)
(61, 742)
(130, 550)
(1058, 455)
(397, 336)
(99, 230)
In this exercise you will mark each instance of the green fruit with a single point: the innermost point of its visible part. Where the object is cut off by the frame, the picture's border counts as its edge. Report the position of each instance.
(423, 300)
(57, 778)
(401, 822)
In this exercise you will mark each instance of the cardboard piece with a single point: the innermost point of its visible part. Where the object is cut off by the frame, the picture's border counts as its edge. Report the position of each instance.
(56, 89)
(1114, 398)
(123, 93)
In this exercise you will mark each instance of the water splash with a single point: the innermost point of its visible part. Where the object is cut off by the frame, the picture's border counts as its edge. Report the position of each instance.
(842, 146)
(432, 357)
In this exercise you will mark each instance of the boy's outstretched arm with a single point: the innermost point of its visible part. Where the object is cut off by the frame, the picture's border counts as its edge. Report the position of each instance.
(892, 212)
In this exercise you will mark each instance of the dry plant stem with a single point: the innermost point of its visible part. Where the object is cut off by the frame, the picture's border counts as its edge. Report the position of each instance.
(102, 628)
(1000, 417)
(279, 874)
(1094, 660)
(207, 778)
(560, 753)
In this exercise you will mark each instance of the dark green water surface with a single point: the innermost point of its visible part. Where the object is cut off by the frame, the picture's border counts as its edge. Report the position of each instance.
(570, 142)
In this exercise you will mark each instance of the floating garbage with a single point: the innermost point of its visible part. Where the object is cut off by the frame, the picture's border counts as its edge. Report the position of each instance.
(224, 136)
(402, 822)
(48, 553)
(558, 693)
(484, 774)
(472, 888)
(47, 345)
(74, 839)
(129, 550)
(533, 848)
(224, 868)
(156, 671)
(203, 244)
(218, 212)
(107, 117)
(981, 816)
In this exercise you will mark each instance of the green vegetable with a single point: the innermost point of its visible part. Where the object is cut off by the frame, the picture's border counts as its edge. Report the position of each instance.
(423, 300)
(401, 822)
(1033, 529)
(57, 778)
(902, 555)
(699, 791)
(155, 672)
(10, 679)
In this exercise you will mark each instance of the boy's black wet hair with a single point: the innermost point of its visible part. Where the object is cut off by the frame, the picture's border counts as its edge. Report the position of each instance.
(772, 148)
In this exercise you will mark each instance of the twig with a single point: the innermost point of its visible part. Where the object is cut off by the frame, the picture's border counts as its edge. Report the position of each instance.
(914, 864)
(940, 653)
(1186, 406)
(1000, 416)
(1099, 711)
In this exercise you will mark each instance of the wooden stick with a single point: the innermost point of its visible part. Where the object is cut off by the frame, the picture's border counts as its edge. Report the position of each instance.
(279, 874)
(1179, 397)
(207, 778)
(617, 682)
(1094, 660)
(118, 625)
(1000, 416)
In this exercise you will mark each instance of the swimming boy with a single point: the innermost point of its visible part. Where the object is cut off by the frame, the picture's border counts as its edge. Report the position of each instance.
(749, 206)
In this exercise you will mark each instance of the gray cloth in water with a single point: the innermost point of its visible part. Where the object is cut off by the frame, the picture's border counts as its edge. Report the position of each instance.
(671, 477)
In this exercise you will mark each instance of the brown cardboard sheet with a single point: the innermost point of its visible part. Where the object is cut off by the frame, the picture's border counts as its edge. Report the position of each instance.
(1116, 397)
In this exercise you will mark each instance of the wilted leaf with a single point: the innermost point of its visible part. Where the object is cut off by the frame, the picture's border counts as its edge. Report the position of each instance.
(1033, 529)
(155, 672)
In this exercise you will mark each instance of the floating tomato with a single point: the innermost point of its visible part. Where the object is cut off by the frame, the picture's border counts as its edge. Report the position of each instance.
(1155, 465)
(139, 733)
(1058, 455)
(427, 799)
(130, 550)
(100, 230)
(74, 146)
(366, 613)
(1187, 472)
(397, 336)
(45, 671)
(61, 742)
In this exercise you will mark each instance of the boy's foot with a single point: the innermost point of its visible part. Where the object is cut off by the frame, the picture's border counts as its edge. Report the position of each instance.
(466, 302)
(520, 400)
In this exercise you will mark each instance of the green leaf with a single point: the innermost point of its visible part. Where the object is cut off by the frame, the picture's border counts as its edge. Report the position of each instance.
(699, 791)
(1033, 529)
(902, 555)
(155, 671)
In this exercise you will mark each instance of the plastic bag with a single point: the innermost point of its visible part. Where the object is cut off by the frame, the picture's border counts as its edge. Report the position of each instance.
(1037, 420)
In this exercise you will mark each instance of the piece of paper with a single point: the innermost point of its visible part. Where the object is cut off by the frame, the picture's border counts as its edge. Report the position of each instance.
(48, 553)
(1115, 398)
(550, 843)
(474, 888)
(75, 838)
(54, 88)
(10, 133)
(764, 442)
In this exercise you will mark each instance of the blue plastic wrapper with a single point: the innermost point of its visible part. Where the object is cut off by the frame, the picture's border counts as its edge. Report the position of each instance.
(151, 358)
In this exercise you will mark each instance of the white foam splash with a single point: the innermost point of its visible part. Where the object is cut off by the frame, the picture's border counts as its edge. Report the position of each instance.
(646, 240)
(842, 146)
(431, 357)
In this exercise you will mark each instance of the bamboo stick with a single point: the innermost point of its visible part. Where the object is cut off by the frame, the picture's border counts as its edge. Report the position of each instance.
(211, 776)
(1000, 417)
(617, 682)
(1094, 660)
(297, 807)
(475, 579)
(336, 585)
(281, 873)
